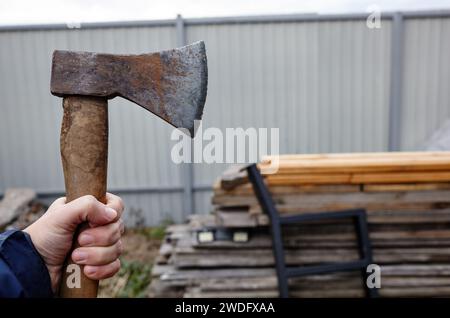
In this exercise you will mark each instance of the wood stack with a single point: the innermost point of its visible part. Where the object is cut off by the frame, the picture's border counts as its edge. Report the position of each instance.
(407, 198)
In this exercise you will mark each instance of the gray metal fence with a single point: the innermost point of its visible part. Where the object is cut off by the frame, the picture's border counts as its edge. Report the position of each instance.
(330, 83)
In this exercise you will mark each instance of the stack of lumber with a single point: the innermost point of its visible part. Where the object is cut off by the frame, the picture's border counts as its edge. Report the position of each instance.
(407, 198)
(359, 168)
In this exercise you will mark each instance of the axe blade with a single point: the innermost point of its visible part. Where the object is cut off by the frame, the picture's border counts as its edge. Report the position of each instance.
(171, 84)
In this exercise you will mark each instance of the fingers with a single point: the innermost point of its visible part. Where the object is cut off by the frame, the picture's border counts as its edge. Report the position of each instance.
(103, 271)
(89, 209)
(100, 246)
(105, 235)
(115, 203)
(97, 255)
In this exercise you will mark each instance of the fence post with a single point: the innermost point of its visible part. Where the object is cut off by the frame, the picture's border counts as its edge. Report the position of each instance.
(396, 83)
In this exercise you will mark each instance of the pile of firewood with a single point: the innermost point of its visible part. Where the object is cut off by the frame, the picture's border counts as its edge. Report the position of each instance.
(407, 199)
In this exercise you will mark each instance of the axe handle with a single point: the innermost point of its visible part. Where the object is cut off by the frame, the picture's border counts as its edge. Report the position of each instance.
(84, 153)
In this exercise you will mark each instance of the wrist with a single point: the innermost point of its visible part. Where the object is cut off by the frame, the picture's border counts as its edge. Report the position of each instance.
(52, 271)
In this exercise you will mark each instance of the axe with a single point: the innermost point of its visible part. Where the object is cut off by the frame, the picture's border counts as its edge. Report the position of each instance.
(170, 84)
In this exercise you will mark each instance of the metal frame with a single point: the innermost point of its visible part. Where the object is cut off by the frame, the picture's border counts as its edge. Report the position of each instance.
(276, 221)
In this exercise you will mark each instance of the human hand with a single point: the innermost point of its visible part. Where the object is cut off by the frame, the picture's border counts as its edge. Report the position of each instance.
(100, 242)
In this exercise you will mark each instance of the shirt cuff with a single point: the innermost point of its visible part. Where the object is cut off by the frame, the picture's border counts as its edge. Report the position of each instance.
(19, 253)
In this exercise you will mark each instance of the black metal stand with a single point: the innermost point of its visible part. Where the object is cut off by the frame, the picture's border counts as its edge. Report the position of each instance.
(276, 221)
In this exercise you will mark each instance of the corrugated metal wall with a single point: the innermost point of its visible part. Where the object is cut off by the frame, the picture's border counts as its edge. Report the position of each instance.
(426, 79)
(324, 83)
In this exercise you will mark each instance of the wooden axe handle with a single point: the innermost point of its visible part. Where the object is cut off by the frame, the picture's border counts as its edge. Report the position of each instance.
(84, 152)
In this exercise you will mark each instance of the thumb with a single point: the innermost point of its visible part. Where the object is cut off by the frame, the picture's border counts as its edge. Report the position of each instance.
(84, 209)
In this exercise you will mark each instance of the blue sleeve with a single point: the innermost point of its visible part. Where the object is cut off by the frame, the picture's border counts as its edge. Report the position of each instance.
(22, 270)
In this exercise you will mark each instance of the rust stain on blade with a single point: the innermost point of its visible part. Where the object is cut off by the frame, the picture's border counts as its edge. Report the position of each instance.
(171, 84)
(142, 83)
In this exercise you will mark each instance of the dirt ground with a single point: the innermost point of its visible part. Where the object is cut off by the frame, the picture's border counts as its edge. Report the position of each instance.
(140, 247)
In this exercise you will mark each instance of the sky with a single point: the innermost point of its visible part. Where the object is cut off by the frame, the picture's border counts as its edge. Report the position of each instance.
(19, 12)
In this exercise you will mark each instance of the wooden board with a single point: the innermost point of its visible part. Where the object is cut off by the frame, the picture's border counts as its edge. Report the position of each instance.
(297, 208)
(233, 176)
(353, 155)
(361, 164)
(247, 189)
(264, 258)
(359, 178)
(357, 199)
(239, 219)
(405, 187)
(418, 167)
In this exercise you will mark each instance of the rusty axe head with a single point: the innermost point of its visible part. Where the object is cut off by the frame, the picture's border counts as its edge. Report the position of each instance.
(171, 84)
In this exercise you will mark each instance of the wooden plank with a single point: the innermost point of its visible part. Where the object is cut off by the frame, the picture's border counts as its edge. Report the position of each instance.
(275, 179)
(373, 216)
(357, 166)
(196, 293)
(408, 217)
(426, 291)
(198, 221)
(345, 242)
(377, 206)
(318, 283)
(359, 178)
(405, 187)
(247, 189)
(355, 199)
(416, 270)
(233, 176)
(361, 164)
(239, 219)
(256, 218)
(198, 275)
(264, 258)
(328, 156)
(401, 177)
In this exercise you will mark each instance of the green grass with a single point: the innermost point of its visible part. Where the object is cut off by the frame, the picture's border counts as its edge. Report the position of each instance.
(139, 277)
(138, 274)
